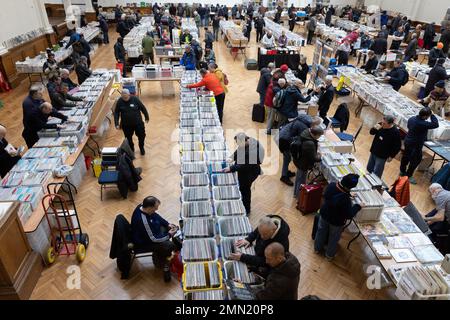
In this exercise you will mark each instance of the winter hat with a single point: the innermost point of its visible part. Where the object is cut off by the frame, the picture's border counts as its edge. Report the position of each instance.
(349, 181)
(284, 68)
(440, 45)
(440, 84)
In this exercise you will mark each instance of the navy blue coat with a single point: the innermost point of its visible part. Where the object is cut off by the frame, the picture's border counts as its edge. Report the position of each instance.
(290, 106)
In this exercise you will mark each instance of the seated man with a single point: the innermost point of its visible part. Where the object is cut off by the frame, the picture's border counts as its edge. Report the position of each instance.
(65, 77)
(284, 277)
(438, 100)
(152, 233)
(271, 228)
(9, 156)
(439, 217)
(61, 99)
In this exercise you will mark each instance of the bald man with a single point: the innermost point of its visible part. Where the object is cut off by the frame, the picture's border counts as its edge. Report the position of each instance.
(282, 281)
(8, 154)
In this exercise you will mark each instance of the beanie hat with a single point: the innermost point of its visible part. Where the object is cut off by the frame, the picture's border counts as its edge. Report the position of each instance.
(440, 84)
(440, 45)
(284, 68)
(349, 181)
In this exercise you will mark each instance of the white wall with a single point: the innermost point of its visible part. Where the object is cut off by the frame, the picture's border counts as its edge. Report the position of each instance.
(229, 3)
(421, 10)
(18, 17)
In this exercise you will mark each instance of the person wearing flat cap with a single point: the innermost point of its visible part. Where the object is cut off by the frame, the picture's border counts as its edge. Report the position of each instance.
(336, 209)
(438, 100)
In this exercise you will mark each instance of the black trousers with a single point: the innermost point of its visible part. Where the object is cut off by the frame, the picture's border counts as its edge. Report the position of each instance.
(220, 101)
(323, 114)
(246, 192)
(412, 156)
(310, 36)
(30, 138)
(139, 130)
(161, 251)
(259, 34)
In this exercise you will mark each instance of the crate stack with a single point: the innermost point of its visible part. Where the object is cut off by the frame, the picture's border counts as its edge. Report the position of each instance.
(211, 207)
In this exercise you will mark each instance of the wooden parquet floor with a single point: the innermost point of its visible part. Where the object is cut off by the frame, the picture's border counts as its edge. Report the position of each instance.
(343, 278)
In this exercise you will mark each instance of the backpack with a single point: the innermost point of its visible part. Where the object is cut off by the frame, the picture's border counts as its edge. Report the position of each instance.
(400, 190)
(278, 100)
(295, 149)
(405, 77)
(225, 79)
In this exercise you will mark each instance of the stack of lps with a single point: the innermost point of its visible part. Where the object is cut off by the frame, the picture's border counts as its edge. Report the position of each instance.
(239, 271)
(228, 246)
(198, 276)
(208, 194)
(206, 295)
(422, 283)
(133, 40)
(36, 64)
(371, 203)
(388, 101)
(350, 26)
(330, 33)
(293, 39)
(90, 32)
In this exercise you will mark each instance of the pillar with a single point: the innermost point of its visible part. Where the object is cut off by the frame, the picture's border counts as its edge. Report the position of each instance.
(42, 14)
(89, 12)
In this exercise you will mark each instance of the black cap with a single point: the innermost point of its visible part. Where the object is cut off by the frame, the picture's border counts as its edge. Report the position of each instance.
(349, 181)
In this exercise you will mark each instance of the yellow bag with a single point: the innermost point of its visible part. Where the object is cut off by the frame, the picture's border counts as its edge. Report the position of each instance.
(340, 83)
(97, 167)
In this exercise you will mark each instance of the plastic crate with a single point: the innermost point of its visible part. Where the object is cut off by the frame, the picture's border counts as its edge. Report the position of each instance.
(242, 221)
(186, 180)
(229, 208)
(224, 179)
(216, 166)
(206, 265)
(195, 194)
(191, 146)
(229, 273)
(203, 209)
(192, 156)
(193, 167)
(219, 155)
(226, 193)
(190, 138)
(215, 146)
(211, 243)
(225, 242)
(189, 233)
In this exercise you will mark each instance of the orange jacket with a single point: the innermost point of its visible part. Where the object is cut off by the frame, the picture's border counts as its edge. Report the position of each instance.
(211, 82)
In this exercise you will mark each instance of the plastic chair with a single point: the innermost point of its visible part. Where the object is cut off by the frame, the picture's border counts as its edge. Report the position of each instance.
(348, 137)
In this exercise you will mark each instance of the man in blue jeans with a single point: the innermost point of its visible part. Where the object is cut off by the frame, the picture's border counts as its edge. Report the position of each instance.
(336, 209)
(385, 146)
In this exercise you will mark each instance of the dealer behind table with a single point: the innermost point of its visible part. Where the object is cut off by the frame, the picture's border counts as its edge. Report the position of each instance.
(9, 155)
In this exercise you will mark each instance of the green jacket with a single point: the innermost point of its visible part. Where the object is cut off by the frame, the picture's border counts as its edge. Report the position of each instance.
(147, 44)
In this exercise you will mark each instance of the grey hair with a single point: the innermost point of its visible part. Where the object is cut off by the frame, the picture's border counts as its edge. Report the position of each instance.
(316, 121)
(434, 186)
(282, 81)
(267, 221)
(271, 65)
(44, 104)
(329, 78)
(389, 118)
(65, 71)
(317, 131)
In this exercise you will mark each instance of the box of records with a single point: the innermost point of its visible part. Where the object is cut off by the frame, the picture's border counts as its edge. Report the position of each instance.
(224, 179)
(226, 193)
(195, 194)
(229, 208)
(191, 146)
(198, 228)
(195, 180)
(190, 138)
(190, 131)
(26, 178)
(234, 226)
(202, 276)
(215, 146)
(216, 166)
(198, 250)
(188, 115)
(239, 271)
(205, 295)
(192, 156)
(193, 167)
(196, 209)
(371, 203)
(213, 137)
(228, 246)
(220, 155)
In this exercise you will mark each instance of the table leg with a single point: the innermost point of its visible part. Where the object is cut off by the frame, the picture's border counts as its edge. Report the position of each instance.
(354, 238)
(432, 159)
(359, 108)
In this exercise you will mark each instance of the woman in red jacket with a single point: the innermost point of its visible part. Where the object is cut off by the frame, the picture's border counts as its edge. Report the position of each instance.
(212, 83)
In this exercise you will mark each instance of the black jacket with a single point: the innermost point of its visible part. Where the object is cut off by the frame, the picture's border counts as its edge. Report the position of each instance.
(28, 105)
(342, 114)
(397, 75)
(83, 72)
(119, 245)
(434, 55)
(119, 51)
(103, 25)
(281, 236)
(436, 74)
(293, 129)
(122, 28)
(302, 72)
(282, 281)
(129, 112)
(264, 80)
(337, 206)
(370, 65)
(35, 121)
(293, 96)
(418, 130)
(325, 99)
(63, 101)
(259, 23)
(386, 143)
(247, 162)
(128, 175)
(379, 46)
(70, 83)
(6, 160)
(309, 154)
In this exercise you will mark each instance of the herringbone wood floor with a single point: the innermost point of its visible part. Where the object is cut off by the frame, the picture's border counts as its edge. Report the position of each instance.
(342, 279)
